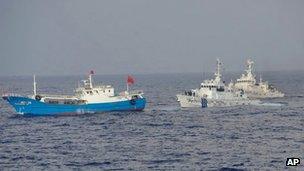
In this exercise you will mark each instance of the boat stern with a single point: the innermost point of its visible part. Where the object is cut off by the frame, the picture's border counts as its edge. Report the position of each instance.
(186, 101)
(138, 104)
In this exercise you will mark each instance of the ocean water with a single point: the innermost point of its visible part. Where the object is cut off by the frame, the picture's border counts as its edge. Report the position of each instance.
(162, 137)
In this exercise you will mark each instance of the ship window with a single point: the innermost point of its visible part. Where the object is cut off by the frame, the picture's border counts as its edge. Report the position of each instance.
(109, 91)
(87, 92)
(96, 91)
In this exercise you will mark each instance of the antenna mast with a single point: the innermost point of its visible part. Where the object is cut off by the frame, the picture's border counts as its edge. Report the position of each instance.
(35, 85)
(218, 74)
(90, 80)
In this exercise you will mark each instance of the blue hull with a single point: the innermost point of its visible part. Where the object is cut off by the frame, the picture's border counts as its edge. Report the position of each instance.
(28, 106)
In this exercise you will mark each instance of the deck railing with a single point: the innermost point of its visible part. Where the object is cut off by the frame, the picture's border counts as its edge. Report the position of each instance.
(57, 96)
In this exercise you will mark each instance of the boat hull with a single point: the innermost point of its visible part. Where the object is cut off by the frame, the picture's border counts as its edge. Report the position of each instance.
(28, 106)
(252, 95)
(195, 101)
(188, 101)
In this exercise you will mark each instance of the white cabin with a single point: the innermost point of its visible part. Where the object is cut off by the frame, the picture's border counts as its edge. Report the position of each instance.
(95, 94)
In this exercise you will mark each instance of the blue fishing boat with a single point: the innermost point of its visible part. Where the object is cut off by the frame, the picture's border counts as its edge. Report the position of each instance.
(87, 99)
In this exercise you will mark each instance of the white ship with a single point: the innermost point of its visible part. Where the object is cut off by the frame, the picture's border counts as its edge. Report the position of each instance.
(252, 88)
(214, 93)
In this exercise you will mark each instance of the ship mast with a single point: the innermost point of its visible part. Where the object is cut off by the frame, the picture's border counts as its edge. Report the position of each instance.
(249, 71)
(249, 67)
(218, 75)
(35, 85)
(90, 80)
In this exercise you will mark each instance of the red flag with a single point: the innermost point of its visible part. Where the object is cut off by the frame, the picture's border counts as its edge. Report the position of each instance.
(130, 80)
(92, 72)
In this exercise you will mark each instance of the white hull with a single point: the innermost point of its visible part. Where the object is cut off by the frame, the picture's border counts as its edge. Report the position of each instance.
(195, 101)
(252, 95)
(188, 101)
(259, 91)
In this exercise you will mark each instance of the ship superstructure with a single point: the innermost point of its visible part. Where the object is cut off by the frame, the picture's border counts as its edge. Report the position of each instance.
(248, 83)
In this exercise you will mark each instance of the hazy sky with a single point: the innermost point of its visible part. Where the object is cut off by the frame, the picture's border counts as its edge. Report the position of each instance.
(148, 36)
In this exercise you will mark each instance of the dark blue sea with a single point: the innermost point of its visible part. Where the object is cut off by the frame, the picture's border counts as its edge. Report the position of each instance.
(162, 137)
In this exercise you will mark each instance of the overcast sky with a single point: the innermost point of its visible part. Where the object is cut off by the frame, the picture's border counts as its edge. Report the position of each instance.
(55, 37)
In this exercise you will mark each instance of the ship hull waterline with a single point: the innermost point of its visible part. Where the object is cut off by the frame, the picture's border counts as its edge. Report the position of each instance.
(28, 106)
(194, 102)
